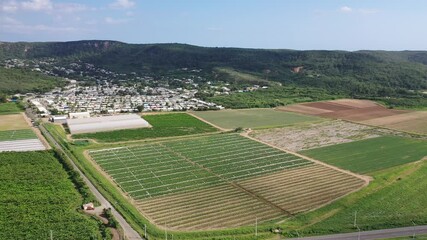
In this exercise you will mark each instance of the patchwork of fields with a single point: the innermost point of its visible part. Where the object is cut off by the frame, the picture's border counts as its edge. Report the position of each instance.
(221, 175)
(253, 118)
(371, 155)
(366, 112)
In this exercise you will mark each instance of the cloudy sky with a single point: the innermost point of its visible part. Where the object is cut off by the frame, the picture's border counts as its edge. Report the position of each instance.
(292, 24)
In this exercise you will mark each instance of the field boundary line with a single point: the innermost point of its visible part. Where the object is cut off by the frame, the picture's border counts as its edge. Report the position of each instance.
(205, 121)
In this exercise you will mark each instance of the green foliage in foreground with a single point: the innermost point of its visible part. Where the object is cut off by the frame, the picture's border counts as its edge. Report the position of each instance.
(164, 125)
(36, 196)
(12, 135)
(10, 108)
(371, 154)
(272, 97)
(14, 81)
(396, 198)
(254, 118)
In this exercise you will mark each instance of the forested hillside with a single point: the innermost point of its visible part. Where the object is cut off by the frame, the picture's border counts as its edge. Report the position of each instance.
(22, 81)
(363, 74)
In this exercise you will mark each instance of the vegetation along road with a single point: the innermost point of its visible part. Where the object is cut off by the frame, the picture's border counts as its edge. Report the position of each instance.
(129, 232)
(377, 234)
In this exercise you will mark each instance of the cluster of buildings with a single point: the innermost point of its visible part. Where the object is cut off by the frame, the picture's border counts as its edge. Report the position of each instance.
(111, 98)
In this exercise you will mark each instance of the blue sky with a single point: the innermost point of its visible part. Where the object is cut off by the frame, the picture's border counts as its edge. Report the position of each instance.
(290, 24)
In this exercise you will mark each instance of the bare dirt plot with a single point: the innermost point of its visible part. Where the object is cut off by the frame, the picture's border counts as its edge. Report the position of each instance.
(305, 188)
(411, 122)
(355, 103)
(362, 114)
(331, 106)
(222, 206)
(316, 135)
(299, 108)
(12, 122)
(347, 109)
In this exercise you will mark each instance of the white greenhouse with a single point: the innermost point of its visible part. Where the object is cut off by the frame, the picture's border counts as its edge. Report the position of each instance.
(106, 123)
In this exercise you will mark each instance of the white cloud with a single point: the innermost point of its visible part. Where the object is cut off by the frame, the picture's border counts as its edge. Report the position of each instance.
(346, 9)
(11, 25)
(110, 20)
(122, 4)
(12, 6)
(70, 7)
(9, 6)
(37, 5)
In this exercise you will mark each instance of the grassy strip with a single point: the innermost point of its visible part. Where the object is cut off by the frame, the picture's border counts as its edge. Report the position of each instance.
(10, 108)
(12, 135)
(371, 154)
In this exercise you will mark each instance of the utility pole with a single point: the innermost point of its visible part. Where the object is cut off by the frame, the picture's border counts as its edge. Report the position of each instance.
(256, 226)
(51, 235)
(145, 231)
(355, 219)
(166, 232)
(413, 236)
(358, 235)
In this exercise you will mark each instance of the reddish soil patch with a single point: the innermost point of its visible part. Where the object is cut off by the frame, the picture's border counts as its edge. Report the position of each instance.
(363, 114)
(347, 109)
(329, 106)
(299, 108)
(356, 103)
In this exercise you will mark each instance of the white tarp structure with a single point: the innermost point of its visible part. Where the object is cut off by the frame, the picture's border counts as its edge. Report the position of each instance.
(107, 123)
(22, 145)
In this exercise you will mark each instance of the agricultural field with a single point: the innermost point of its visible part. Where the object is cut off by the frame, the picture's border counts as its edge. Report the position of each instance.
(394, 199)
(19, 141)
(253, 118)
(163, 125)
(298, 138)
(13, 135)
(347, 109)
(371, 155)
(9, 108)
(229, 179)
(36, 196)
(415, 122)
(12, 122)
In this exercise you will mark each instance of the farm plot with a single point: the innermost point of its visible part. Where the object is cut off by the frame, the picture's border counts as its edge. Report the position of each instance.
(253, 118)
(300, 189)
(163, 125)
(348, 109)
(221, 206)
(199, 183)
(12, 122)
(20, 140)
(415, 122)
(160, 168)
(371, 155)
(37, 196)
(298, 138)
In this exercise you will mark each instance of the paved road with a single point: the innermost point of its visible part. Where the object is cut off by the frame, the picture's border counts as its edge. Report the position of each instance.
(129, 232)
(377, 234)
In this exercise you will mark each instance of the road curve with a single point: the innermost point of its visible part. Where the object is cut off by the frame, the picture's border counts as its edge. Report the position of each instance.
(376, 234)
(128, 231)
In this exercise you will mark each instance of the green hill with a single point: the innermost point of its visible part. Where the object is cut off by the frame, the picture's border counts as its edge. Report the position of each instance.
(367, 74)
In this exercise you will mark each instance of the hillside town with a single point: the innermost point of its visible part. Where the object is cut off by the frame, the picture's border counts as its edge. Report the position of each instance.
(107, 98)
